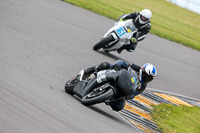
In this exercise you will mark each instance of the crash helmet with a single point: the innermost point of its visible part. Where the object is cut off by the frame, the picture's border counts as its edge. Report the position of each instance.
(145, 16)
(147, 73)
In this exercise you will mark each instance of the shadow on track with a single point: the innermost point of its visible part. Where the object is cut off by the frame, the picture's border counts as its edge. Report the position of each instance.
(111, 56)
(101, 111)
(108, 115)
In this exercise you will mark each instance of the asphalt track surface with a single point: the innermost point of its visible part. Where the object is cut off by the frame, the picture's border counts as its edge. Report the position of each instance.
(43, 43)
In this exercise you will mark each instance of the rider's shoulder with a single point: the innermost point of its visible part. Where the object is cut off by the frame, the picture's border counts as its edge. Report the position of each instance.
(135, 13)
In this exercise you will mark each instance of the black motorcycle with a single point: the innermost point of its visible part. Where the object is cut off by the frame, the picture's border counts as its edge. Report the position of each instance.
(105, 86)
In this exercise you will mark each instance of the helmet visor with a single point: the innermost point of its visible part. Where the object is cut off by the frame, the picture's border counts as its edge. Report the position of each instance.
(146, 77)
(143, 18)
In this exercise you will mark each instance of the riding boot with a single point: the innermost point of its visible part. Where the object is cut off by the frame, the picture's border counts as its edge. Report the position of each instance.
(120, 50)
(89, 70)
(86, 72)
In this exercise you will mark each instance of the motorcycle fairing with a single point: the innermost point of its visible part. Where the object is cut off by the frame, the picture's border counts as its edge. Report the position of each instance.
(122, 33)
(127, 81)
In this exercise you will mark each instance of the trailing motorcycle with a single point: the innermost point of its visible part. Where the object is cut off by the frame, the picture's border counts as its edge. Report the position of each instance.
(105, 86)
(117, 36)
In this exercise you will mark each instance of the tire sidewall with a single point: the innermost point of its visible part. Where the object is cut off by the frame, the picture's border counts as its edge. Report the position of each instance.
(103, 42)
(69, 87)
(98, 99)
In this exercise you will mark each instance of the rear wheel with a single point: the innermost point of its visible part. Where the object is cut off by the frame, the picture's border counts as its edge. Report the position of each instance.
(103, 42)
(97, 96)
(69, 86)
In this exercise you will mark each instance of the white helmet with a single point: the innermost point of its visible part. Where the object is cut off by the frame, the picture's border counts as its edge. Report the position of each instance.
(145, 16)
(147, 73)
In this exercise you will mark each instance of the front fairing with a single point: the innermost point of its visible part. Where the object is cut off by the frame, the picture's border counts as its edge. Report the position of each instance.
(123, 30)
(127, 81)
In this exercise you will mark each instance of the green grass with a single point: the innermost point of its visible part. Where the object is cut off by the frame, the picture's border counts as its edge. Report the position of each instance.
(168, 21)
(177, 119)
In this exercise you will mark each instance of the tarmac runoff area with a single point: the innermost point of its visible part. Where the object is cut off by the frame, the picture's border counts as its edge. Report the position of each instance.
(137, 111)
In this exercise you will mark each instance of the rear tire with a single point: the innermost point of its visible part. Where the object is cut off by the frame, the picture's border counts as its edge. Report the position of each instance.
(103, 42)
(92, 98)
(69, 86)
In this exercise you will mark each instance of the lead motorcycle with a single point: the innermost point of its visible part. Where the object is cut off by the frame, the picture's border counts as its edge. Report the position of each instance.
(117, 36)
(105, 86)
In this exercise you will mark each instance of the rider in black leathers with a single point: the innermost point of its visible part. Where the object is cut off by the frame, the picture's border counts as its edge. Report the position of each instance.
(144, 77)
(142, 21)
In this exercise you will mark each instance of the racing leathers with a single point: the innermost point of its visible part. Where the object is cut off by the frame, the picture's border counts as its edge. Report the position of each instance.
(118, 104)
(143, 30)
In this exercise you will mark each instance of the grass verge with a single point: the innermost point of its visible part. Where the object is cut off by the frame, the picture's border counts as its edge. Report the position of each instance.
(177, 119)
(169, 21)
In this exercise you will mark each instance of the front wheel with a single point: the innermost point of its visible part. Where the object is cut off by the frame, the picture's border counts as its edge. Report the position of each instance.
(103, 42)
(69, 86)
(95, 97)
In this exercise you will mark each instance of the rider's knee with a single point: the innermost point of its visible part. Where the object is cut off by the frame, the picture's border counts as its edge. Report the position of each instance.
(117, 105)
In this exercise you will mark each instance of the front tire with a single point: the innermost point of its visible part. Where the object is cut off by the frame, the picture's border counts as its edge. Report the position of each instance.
(94, 98)
(69, 86)
(103, 42)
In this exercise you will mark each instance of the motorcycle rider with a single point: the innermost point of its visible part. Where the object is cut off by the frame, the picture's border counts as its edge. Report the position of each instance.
(146, 73)
(142, 21)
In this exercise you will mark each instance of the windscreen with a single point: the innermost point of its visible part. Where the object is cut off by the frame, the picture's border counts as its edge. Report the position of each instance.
(130, 26)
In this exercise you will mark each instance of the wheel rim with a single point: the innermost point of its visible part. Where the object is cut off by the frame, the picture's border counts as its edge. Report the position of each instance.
(95, 93)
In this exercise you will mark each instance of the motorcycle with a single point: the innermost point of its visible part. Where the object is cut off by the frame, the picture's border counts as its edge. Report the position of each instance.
(104, 86)
(117, 36)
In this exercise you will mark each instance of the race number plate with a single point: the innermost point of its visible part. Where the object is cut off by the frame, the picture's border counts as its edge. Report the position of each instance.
(120, 31)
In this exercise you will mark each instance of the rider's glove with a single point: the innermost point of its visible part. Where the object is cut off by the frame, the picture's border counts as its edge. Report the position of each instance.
(116, 67)
(120, 19)
(133, 40)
